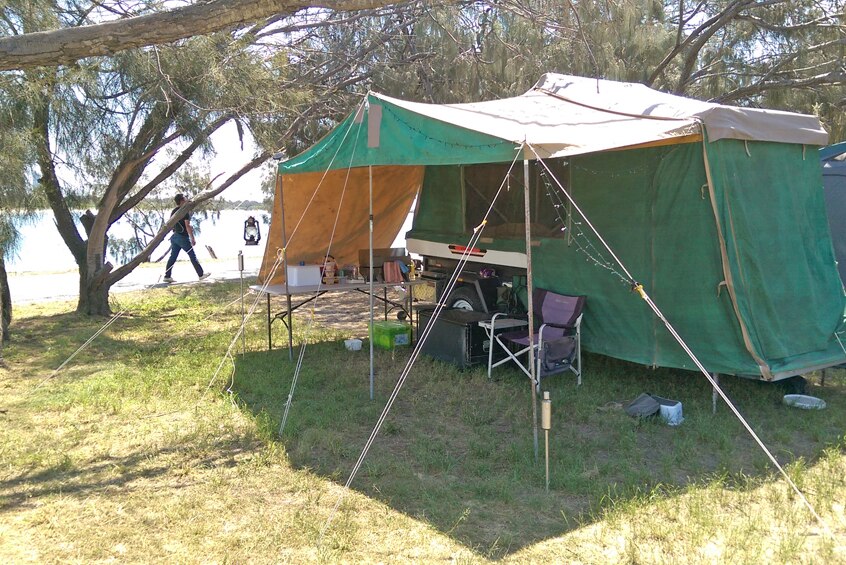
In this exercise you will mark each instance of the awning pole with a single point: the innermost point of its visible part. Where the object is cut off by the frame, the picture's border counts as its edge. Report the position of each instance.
(370, 175)
(281, 187)
(530, 303)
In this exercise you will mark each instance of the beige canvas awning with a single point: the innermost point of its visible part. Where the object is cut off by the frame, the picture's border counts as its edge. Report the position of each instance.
(312, 202)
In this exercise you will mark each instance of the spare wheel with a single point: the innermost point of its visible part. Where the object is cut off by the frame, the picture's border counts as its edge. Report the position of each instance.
(465, 298)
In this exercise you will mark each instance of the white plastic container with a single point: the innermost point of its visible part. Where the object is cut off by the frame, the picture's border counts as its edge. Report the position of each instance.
(804, 402)
(671, 410)
(303, 275)
(352, 344)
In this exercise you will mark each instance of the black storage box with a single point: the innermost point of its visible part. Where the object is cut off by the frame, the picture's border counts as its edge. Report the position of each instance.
(456, 337)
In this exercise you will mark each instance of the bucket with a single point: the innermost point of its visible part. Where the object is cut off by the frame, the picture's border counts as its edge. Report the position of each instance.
(352, 344)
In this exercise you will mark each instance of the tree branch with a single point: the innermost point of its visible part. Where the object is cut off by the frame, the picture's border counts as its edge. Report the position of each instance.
(144, 255)
(826, 20)
(65, 46)
(700, 35)
(827, 79)
(165, 173)
(51, 184)
(703, 34)
(137, 156)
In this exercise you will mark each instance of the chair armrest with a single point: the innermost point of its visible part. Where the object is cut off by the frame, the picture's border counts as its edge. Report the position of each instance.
(524, 317)
(573, 326)
(560, 326)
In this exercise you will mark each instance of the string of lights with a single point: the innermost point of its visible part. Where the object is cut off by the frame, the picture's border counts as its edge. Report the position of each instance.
(584, 244)
(612, 174)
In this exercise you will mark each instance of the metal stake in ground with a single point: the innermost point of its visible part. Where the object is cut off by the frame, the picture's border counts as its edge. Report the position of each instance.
(546, 424)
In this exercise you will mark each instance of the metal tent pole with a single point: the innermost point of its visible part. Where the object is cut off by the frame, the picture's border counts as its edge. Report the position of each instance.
(243, 315)
(530, 303)
(281, 187)
(370, 175)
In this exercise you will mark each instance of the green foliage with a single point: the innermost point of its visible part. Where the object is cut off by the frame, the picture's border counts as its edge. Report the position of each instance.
(109, 132)
(784, 55)
(17, 201)
(16, 169)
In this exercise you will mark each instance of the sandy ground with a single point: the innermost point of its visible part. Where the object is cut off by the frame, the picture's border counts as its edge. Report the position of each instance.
(49, 287)
(347, 312)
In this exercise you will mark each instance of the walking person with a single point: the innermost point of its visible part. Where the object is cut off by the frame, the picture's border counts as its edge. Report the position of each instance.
(182, 240)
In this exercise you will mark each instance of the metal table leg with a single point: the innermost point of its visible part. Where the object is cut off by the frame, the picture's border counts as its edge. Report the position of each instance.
(385, 301)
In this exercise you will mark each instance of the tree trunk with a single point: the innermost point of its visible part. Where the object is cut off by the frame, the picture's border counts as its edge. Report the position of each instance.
(93, 296)
(5, 305)
(94, 282)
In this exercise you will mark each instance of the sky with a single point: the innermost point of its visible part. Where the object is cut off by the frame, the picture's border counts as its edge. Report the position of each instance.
(230, 157)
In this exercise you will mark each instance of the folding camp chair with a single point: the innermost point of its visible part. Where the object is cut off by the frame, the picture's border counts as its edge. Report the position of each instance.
(557, 342)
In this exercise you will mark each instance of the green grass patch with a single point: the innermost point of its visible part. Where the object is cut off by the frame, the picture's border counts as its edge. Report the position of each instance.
(160, 442)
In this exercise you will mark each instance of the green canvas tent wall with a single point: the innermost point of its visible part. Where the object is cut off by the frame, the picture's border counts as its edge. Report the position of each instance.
(716, 210)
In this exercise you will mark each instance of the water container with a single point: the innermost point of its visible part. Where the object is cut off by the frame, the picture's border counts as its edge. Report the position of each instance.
(389, 334)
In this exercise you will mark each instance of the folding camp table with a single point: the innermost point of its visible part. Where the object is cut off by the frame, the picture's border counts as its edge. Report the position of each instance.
(495, 327)
(311, 292)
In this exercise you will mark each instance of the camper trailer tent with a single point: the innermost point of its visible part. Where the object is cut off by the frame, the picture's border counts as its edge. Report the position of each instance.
(833, 160)
(715, 210)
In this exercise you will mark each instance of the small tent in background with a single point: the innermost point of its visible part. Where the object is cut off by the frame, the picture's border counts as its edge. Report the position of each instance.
(716, 210)
(833, 160)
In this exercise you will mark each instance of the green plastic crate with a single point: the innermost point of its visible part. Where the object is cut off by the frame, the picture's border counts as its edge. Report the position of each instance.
(390, 334)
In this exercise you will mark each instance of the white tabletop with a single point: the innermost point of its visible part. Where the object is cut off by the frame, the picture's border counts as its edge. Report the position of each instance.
(279, 289)
(503, 323)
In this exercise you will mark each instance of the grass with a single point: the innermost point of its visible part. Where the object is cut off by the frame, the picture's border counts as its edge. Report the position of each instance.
(151, 446)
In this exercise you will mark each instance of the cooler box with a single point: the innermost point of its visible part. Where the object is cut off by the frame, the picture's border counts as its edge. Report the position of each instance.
(303, 275)
(391, 333)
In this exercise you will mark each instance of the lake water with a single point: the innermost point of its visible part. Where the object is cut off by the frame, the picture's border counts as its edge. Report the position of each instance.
(43, 250)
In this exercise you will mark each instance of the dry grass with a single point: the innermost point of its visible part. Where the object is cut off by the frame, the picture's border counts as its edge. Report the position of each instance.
(129, 455)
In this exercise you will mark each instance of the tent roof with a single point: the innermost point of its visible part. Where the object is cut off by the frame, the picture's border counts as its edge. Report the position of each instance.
(721, 122)
(833, 151)
(560, 116)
